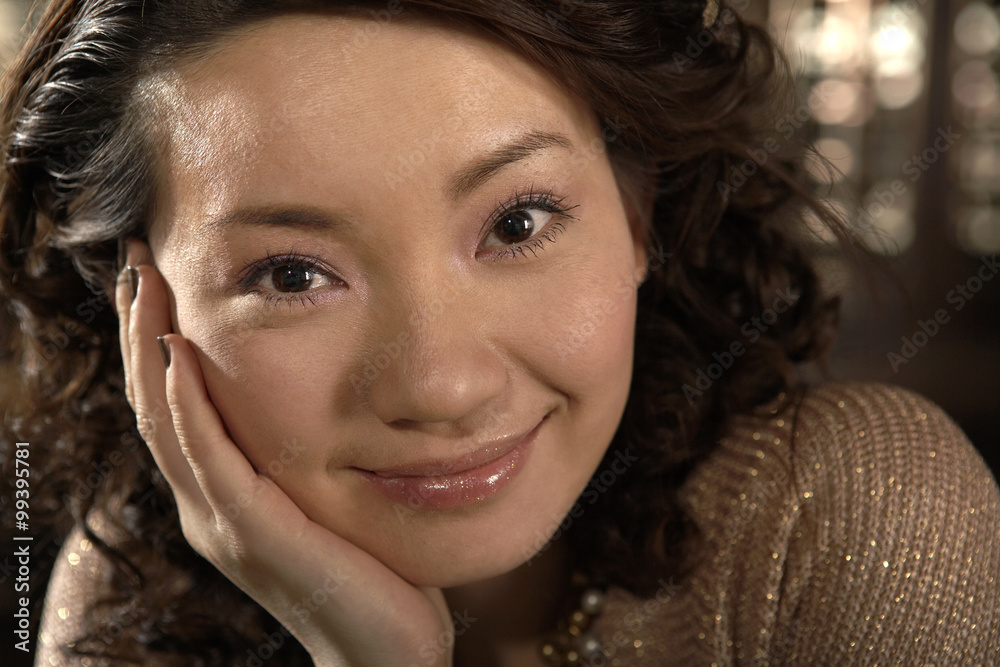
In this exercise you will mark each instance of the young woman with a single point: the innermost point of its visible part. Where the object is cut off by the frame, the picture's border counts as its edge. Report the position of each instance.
(450, 340)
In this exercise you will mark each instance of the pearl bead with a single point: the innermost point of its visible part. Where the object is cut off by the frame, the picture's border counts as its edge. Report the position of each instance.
(574, 645)
(589, 645)
(592, 601)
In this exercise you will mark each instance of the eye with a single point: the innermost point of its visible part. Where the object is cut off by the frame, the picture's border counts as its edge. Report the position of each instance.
(284, 278)
(526, 223)
(293, 278)
(519, 226)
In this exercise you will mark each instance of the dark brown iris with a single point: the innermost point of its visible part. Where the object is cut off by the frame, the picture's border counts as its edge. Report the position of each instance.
(516, 226)
(291, 278)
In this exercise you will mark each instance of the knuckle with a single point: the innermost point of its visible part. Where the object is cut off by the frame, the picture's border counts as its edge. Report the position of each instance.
(150, 420)
(227, 551)
(146, 426)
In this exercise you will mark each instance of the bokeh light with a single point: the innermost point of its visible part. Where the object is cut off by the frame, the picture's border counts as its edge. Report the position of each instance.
(897, 91)
(977, 29)
(841, 102)
(896, 42)
(974, 85)
(837, 154)
(979, 165)
(885, 219)
(826, 43)
(978, 230)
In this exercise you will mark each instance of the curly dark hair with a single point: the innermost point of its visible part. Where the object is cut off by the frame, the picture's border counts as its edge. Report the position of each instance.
(695, 131)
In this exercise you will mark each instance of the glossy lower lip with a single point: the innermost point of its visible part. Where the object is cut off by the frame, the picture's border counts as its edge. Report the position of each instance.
(436, 492)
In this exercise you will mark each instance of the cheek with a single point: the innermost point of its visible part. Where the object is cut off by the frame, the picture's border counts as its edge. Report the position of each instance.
(272, 390)
(595, 324)
(589, 325)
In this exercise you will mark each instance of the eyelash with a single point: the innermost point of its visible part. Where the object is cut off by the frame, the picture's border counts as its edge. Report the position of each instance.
(254, 270)
(524, 201)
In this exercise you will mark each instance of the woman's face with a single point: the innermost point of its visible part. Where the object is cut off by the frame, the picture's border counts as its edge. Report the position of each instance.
(397, 249)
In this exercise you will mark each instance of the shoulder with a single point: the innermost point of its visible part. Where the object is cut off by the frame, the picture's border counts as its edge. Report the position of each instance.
(871, 417)
(908, 519)
(867, 444)
(856, 520)
(81, 576)
(857, 440)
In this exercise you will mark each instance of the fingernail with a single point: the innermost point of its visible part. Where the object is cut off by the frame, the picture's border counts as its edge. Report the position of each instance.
(164, 350)
(133, 281)
(121, 254)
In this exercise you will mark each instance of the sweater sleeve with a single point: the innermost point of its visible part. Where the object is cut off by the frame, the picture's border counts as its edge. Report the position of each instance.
(896, 551)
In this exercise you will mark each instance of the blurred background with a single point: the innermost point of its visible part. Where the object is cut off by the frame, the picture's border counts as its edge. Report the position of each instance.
(903, 98)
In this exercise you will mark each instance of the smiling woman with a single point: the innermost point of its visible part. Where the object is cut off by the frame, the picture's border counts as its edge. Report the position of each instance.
(415, 306)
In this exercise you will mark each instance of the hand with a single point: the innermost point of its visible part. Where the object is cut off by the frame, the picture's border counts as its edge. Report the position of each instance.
(357, 610)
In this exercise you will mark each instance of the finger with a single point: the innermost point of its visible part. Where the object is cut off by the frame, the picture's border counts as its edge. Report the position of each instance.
(149, 318)
(225, 475)
(123, 304)
(135, 253)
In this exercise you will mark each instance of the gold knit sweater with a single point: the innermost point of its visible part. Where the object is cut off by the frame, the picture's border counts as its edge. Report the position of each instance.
(860, 529)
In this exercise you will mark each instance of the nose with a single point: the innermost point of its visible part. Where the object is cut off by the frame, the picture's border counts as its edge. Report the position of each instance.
(446, 369)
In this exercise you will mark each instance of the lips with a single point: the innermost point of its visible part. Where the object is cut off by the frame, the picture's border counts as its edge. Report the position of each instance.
(443, 484)
(476, 459)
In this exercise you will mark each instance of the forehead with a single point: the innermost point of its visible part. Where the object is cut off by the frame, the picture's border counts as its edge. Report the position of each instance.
(294, 104)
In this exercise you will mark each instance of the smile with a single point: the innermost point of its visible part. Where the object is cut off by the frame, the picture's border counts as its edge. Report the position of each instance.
(436, 485)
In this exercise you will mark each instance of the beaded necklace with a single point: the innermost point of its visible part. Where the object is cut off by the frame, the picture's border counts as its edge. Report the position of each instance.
(574, 643)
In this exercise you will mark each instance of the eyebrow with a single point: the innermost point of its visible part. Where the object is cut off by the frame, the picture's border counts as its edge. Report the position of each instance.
(307, 218)
(476, 174)
(467, 180)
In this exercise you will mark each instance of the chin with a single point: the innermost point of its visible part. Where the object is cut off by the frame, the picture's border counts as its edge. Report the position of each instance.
(431, 575)
(450, 563)
(457, 572)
